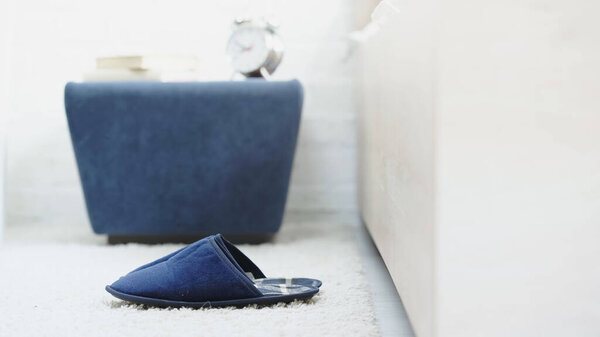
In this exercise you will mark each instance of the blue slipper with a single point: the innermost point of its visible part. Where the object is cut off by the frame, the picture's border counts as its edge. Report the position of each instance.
(211, 272)
(245, 263)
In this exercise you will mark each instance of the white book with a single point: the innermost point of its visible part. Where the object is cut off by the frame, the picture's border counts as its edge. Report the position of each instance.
(148, 62)
(118, 75)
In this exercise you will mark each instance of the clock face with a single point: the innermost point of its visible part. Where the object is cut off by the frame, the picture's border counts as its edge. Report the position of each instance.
(248, 48)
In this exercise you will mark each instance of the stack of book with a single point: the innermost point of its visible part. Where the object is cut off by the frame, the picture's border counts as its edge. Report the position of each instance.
(144, 68)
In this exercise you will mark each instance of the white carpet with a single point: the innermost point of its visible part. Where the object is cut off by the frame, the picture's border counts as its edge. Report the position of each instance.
(52, 282)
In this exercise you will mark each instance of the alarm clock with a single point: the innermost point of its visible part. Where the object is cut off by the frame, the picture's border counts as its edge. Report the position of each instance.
(254, 48)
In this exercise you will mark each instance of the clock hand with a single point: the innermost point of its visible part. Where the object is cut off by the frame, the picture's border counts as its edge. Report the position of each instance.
(240, 45)
(243, 47)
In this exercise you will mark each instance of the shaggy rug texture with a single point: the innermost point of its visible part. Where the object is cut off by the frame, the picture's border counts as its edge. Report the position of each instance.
(52, 284)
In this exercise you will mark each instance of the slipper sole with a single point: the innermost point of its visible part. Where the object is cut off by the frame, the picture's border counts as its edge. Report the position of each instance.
(261, 300)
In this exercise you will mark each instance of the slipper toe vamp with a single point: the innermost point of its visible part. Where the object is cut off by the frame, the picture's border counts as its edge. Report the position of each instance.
(195, 274)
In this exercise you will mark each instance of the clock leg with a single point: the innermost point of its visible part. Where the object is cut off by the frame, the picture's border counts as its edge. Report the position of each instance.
(265, 74)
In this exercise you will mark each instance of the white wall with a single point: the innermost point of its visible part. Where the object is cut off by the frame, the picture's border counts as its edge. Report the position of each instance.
(5, 40)
(55, 41)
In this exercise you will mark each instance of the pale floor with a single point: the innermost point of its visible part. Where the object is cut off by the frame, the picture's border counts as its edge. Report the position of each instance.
(389, 310)
(391, 316)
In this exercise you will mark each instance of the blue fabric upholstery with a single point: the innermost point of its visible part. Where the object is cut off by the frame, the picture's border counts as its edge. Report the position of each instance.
(184, 158)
